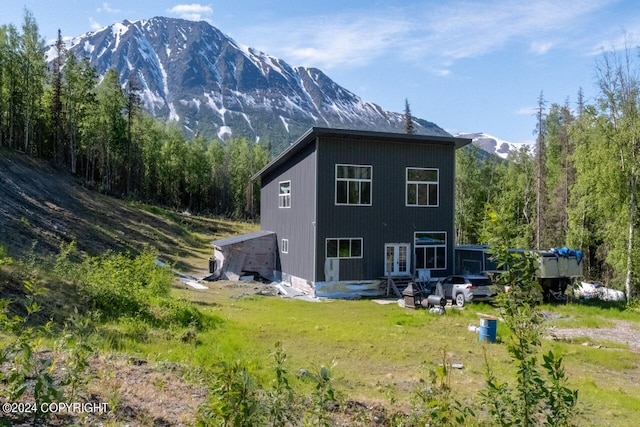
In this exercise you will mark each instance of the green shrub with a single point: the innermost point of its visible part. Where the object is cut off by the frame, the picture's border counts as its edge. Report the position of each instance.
(120, 286)
(24, 369)
(435, 404)
(282, 403)
(322, 399)
(234, 400)
(177, 312)
(4, 257)
(533, 397)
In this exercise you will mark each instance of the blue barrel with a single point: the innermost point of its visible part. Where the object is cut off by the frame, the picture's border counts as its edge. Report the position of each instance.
(488, 326)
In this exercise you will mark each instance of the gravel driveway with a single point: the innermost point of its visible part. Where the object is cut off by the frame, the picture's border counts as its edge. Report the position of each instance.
(624, 332)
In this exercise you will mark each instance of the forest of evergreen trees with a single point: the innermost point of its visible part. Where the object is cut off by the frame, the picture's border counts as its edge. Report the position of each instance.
(579, 188)
(97, 130)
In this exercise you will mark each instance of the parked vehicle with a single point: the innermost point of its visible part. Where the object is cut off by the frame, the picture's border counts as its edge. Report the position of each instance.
(556, 269)
(461, 289)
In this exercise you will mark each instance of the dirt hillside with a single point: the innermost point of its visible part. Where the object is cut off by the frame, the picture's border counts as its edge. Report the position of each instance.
(42, 207)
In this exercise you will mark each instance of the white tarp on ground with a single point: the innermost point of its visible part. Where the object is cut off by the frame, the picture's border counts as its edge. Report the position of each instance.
(595, 290)
(184, 278)
(192, 283)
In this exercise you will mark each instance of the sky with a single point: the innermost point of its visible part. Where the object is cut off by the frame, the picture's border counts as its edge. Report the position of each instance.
(468, 66)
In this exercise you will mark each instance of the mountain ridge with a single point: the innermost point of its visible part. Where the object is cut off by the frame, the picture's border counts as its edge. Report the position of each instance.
(192, 74)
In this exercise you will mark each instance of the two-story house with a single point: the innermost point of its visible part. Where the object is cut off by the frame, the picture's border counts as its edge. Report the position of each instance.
(348, 208)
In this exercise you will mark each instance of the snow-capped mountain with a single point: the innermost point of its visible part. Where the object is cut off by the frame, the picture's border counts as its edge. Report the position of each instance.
(497, 146)
(191, 73)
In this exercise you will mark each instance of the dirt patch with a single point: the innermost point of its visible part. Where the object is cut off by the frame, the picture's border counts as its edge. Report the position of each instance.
(623, 332)
(128, 391)
(42, 207)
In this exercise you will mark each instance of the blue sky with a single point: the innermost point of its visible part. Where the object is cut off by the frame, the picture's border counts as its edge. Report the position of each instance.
(469, 66)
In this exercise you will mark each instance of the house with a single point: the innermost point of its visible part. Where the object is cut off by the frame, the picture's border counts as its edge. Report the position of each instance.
(351, 207)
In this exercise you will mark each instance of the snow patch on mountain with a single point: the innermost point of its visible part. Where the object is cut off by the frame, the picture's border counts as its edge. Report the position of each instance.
(497, 146)
(117, 30)
(224, 131)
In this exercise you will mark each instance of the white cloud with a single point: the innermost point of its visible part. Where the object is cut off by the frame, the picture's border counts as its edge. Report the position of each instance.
(94, 24)
(436, 35)
(342, 40)
(443, 72)
(621, 38)
(108, 9)
(525, 111)
(192, 12)
(540, 48)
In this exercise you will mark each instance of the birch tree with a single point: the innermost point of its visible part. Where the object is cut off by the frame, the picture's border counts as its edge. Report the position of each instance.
(619, 102)
(79, 100)
(33, 70)
(540, 169)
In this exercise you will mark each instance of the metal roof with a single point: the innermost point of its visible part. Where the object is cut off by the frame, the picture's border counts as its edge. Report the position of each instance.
(315, 132)
(239, 239)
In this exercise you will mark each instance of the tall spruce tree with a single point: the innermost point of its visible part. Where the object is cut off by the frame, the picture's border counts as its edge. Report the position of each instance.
(57, 149)
(408, 119)
(32, 75)
(540, 169)
(3, 65)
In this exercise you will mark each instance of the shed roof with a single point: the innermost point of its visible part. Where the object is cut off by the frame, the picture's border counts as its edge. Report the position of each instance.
(239, 239)
(313, 133)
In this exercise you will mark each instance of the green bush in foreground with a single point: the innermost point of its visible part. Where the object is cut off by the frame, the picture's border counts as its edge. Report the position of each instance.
(27, 372)
(119, 286)
(533, 398)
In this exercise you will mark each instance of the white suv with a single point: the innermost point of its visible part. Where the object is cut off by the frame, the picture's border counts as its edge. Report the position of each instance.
(461, 289)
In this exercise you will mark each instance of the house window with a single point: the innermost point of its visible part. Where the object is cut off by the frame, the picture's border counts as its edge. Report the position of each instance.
(431, 250)
(284, 194)
(285, 246)
(353, 185)
(422, 187)
(344, 248)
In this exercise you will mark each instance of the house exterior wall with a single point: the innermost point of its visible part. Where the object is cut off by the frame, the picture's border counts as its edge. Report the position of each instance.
(295, 223)
(387, 219)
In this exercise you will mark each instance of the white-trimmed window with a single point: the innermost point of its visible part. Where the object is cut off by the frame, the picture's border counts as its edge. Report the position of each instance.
(284, 194)
(284, 247)
(344, 248)
(422, 187)
(353, 185)
(430, 249)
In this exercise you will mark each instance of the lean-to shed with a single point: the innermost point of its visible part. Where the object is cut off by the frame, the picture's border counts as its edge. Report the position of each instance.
(249, 253)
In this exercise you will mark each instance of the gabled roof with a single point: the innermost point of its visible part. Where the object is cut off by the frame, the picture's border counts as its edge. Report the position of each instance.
(313, 133)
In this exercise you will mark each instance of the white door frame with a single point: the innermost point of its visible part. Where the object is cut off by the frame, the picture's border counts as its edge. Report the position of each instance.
(397, 259)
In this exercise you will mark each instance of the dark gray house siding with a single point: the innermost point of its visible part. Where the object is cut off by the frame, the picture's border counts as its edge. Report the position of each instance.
(296, 223)
(314, 216)
(388, 219)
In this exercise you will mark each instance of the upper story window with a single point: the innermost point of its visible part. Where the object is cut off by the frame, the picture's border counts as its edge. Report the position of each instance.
(284, 194)
(422, 187)
(353, 185)
(285, 246)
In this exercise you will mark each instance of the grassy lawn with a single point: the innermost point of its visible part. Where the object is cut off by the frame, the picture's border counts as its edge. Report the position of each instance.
(378, 351)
